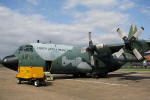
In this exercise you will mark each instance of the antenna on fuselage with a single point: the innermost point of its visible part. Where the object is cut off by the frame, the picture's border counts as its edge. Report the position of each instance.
(38, 41)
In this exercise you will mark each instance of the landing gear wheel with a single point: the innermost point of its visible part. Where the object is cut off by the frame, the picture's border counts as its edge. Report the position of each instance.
(103, 75)
(18, 81)
(94, 75)
(83, 75)
(31, 82)
(76, 75)
(37, 83)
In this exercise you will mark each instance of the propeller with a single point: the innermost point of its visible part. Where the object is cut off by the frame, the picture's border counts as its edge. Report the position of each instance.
(91, 49)
(138, 32)
(129, 43)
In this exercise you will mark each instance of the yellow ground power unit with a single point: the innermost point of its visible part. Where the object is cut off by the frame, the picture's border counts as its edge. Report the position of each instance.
(31, 74)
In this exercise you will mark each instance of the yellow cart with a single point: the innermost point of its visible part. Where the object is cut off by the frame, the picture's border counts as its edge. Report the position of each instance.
(31, 74)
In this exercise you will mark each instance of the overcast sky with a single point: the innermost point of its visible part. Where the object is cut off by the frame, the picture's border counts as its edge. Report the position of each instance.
(68, 21)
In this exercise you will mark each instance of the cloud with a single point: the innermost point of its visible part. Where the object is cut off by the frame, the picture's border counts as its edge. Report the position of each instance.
(103, 20)
(33, 2)
(146, 11)
(90, 3)
(17, 29)
(126, 4)
(106, 4)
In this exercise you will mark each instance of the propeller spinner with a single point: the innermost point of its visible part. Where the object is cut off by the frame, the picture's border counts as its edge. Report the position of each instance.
(129, 43)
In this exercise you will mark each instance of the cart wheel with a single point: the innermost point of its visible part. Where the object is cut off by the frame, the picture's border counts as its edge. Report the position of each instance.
(31, 82)
(36, 83)
(19, 81)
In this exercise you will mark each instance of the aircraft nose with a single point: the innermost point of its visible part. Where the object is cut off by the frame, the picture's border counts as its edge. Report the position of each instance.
(10, 62)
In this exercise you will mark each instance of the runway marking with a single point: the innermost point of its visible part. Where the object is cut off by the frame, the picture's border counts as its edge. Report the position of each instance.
(114, 84)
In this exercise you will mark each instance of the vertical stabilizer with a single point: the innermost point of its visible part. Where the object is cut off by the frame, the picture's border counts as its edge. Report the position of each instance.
(132, 31)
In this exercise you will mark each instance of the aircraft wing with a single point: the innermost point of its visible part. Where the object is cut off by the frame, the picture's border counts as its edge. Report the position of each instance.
(148, 42)
(115, 47)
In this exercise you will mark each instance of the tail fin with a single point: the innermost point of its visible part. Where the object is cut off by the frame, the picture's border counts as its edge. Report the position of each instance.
(132, 31)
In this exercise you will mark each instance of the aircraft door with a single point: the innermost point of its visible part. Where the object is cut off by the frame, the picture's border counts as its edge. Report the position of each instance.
(48, 66)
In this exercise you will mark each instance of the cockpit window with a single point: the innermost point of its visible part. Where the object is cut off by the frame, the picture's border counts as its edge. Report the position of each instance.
(26, 48)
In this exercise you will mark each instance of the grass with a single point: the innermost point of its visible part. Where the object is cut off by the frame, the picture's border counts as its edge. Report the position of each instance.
(134, 69)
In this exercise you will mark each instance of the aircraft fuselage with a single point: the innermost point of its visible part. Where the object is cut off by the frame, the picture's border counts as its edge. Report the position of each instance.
(61, 59)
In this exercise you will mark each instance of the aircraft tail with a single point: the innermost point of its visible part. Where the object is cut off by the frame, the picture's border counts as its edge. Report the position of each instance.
(132, 31)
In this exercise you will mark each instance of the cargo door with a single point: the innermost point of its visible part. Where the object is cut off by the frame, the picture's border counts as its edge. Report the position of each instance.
(47, 69)
(48, 66)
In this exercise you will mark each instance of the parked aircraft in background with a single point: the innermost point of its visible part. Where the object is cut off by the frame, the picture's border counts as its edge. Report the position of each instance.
(98, 60)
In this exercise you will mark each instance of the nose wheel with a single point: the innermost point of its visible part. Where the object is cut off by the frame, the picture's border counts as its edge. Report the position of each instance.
(18, 81)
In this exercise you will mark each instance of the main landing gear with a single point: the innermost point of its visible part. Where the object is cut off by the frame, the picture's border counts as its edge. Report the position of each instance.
(93, 75)
(79, 75)
(99, 75)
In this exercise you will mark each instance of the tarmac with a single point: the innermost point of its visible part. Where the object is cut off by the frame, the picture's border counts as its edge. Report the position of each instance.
(119, 85)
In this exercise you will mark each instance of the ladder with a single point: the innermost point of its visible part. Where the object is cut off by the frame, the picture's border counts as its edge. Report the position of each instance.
(48, 76)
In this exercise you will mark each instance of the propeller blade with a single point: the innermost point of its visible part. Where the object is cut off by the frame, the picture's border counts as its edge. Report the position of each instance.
(92, 60)
(90, 39)
(121, 33)
(119, 53)
(137, 54)
(138, 32)
(83, 50)
(98, 46)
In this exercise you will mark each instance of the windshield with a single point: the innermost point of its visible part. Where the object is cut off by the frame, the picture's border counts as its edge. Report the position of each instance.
(26, 48)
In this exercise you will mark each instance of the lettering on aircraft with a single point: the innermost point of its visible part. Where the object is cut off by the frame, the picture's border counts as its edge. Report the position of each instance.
(52, 49)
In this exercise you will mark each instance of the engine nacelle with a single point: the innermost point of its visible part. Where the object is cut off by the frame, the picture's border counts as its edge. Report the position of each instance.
(84, 67)
(98, 46)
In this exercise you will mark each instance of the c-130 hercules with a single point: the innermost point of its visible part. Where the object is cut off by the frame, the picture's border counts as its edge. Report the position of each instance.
(98, 60)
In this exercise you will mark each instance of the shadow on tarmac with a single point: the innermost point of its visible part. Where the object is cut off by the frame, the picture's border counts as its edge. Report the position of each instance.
(121, 76)
(128, 76)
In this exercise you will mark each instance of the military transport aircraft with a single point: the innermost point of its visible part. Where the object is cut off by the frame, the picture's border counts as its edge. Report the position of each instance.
(98, 60)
